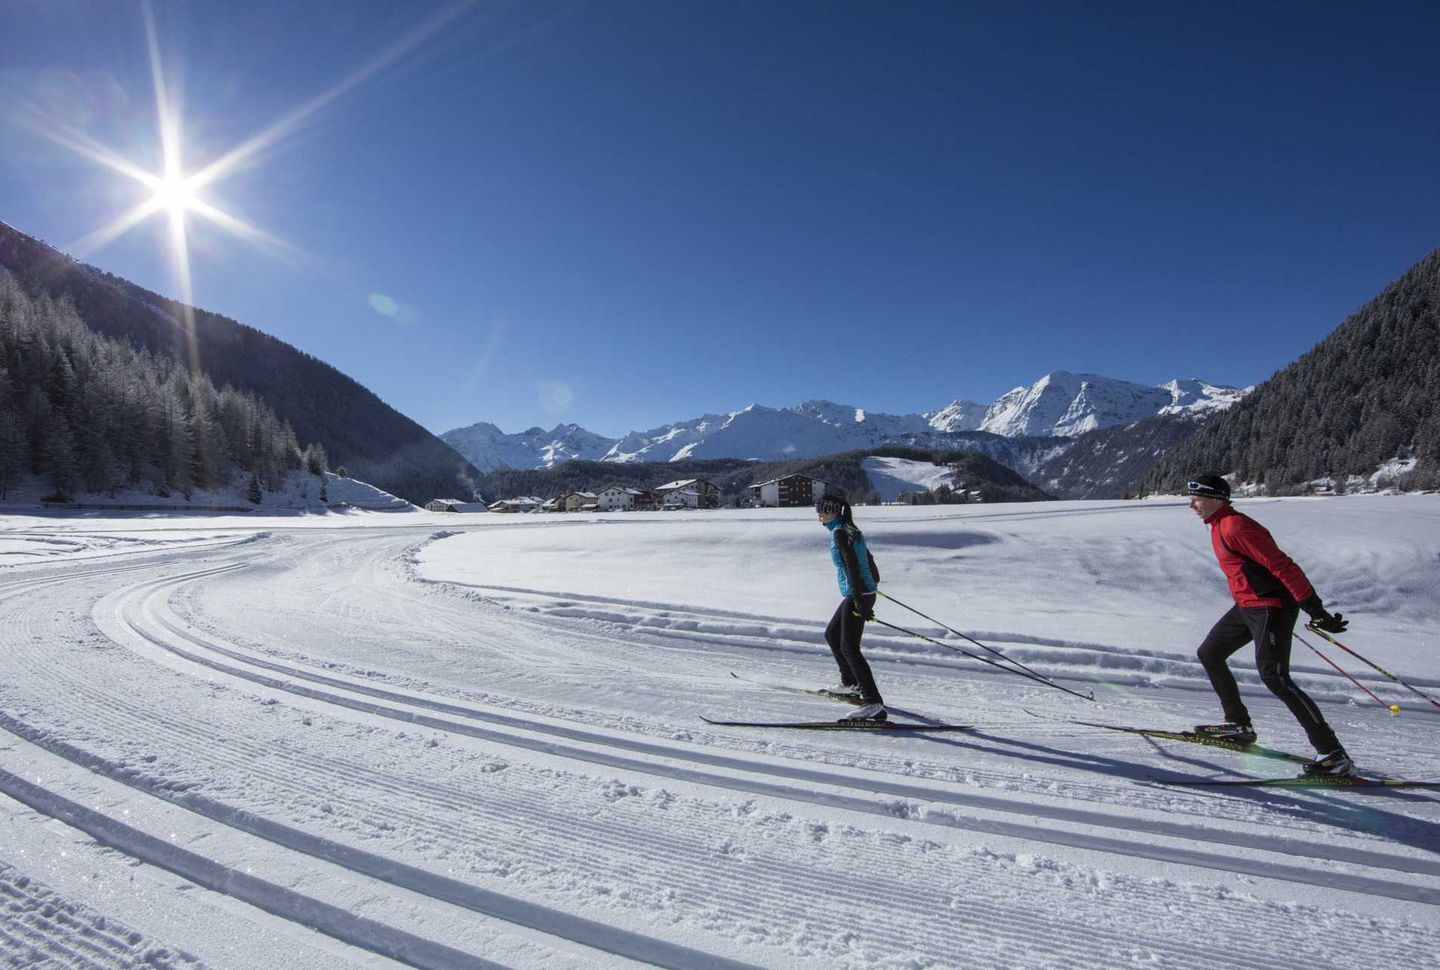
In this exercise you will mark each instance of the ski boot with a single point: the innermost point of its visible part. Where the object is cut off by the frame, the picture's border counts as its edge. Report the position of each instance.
(870, 712)
(1336, 764)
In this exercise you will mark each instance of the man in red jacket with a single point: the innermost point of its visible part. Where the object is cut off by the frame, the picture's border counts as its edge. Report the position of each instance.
(1269, 591)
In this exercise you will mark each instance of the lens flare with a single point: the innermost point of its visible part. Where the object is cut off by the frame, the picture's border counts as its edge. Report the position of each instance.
(175, 195)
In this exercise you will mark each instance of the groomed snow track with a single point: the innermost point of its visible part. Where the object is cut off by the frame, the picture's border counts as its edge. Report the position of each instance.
(440, 823)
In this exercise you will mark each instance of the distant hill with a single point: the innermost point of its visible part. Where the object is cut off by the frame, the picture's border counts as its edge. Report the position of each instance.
(844, 473)
(1364, 403)
(371, 440)
(992, 482)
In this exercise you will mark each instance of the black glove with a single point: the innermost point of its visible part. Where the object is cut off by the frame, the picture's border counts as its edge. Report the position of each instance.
(861, 610)
(1322, 619)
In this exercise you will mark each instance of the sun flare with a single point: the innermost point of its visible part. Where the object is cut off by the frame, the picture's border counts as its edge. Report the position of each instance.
(174, 194)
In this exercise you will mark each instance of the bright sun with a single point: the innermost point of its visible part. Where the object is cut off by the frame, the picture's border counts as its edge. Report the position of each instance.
(177, 194)
(174, 194)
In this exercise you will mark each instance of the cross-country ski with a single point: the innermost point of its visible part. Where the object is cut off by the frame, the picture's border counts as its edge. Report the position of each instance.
(1301, 781)
(895, 726)
(1192, 737)
(844, 697)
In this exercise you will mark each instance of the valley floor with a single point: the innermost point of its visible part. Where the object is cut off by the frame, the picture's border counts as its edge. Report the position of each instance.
(476, 741)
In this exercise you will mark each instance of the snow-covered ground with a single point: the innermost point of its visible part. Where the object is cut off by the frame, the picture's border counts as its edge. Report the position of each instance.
(452, 741)
(297, 491)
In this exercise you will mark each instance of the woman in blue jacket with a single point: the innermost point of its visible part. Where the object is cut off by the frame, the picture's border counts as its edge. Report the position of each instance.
(859, 578)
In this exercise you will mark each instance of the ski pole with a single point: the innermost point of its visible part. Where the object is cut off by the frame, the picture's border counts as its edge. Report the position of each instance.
(975, 656)
(1319, 632)
(965, 636)
(1392, 708)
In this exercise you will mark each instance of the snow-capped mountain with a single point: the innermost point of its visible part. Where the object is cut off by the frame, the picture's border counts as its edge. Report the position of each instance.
(1058, 405)
(535, 448)
(1066, 404)
(1194, 396)
(957, 416)
(769, 434)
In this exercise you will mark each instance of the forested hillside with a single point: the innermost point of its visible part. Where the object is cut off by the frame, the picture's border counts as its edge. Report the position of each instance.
(373, 441)
(1366, 395)
(83, 412)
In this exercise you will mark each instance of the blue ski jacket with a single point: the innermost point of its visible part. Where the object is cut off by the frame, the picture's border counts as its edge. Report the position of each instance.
(853, 565)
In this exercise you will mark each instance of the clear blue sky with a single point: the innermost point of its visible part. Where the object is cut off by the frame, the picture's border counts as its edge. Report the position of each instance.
(625, 213)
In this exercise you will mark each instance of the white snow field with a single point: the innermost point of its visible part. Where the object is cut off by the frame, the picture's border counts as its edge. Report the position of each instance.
(458, 741)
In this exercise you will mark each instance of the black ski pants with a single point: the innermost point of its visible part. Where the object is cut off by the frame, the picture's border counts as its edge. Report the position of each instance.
(843, 634)
(1271, 629)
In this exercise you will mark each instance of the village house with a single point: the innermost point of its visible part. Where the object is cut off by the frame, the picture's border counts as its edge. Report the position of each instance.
(614, 498)
(526, 503)
(701, 494)
(792, 491)
(681, 498)
(454, 505)
(581, 502)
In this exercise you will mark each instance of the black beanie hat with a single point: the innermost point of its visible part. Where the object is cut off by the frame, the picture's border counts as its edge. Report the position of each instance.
(1210, 486)
(831, 505)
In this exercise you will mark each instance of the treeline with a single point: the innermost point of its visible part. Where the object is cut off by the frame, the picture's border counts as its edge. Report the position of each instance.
(1368, 393)
(579, 475)
(81, 412)
(843, 473)
(733, 476)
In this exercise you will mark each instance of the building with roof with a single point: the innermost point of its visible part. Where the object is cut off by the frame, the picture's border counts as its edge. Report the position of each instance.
(706, 494)
(623, 498)
(792, 491)
(581, 502)
(525, 503)
(455, 505)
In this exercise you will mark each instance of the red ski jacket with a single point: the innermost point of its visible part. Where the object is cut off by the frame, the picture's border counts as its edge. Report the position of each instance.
(1259, 574)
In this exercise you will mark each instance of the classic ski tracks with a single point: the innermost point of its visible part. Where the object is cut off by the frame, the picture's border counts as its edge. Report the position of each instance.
(740, 891)
(143, 610)
(756, 777)
(904, 925)
(370, 935)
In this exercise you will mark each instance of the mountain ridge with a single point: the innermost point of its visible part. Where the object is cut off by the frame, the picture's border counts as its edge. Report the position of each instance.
(1060, 405)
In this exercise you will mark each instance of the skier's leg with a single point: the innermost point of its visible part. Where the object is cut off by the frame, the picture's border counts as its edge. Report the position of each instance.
(1273, 630)
(834, 636)
(1227, 635)
(852, 628)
